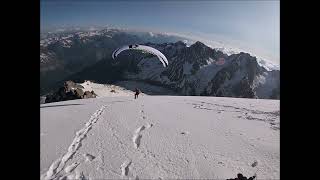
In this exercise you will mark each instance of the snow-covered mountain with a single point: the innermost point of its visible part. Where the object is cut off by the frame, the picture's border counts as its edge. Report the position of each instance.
(160, 137)
(191, 71)
(81, 55)
(67, 52)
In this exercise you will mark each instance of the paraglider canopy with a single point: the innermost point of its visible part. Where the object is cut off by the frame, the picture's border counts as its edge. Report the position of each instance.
(142, 48)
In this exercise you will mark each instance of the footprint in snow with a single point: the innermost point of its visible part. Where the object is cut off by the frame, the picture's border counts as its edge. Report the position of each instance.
(125, 168)
(136, 140)
(78, 175)
(137, 134)
(149, 126)
(89, 157)
(71, 167)
(184, 133)
(254, 164)
(141, 128)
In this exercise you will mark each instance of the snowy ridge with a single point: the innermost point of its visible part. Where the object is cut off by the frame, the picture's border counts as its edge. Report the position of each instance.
(229, 50)
(105, 90)
(268, 65)
(232, 50)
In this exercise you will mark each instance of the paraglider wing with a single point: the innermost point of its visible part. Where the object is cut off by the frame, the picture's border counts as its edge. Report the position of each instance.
(143, 48)
(118, 51)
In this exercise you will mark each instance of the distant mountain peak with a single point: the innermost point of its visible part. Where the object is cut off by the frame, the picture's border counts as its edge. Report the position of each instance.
(181, 43)
(198, 43)
(200, 47)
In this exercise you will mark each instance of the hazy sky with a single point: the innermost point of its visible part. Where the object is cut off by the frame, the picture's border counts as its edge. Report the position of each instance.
(248, 25)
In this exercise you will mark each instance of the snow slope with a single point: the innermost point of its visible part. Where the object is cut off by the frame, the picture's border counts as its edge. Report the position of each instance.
(105, 90)
(167, 137)
(124, 88)
(147, 89)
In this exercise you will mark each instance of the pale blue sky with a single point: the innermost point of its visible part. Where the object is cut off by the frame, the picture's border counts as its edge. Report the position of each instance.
(249, 25)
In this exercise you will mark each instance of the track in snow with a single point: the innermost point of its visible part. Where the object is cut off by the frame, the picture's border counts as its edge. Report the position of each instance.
(125, 168)
(123, 150)
(58, 165)
(250, 114)
(138, 135)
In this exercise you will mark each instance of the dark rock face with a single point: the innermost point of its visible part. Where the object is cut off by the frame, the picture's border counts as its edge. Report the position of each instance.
(245, 90)
(243, 69)
(193, 71)
(79, 92)
(70, 91)
(69, 85)
(89, 94)
(42, 99)
(241, 177)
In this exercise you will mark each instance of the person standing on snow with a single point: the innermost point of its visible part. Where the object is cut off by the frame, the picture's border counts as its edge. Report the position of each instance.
(137, 92)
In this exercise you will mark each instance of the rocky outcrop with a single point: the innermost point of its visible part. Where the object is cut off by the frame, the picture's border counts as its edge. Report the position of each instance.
(69, 91)
(42, 99)
(89, 94)
(241, 177)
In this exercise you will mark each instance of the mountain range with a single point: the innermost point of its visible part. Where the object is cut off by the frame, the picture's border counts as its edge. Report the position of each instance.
(192, 70)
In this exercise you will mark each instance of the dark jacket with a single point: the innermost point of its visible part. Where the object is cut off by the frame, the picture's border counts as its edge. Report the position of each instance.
(137, 91)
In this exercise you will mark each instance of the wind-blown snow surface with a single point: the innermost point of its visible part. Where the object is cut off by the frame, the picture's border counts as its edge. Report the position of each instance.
(167, 137)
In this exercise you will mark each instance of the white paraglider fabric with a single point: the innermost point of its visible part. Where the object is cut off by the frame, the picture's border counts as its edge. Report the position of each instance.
(143, 48)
